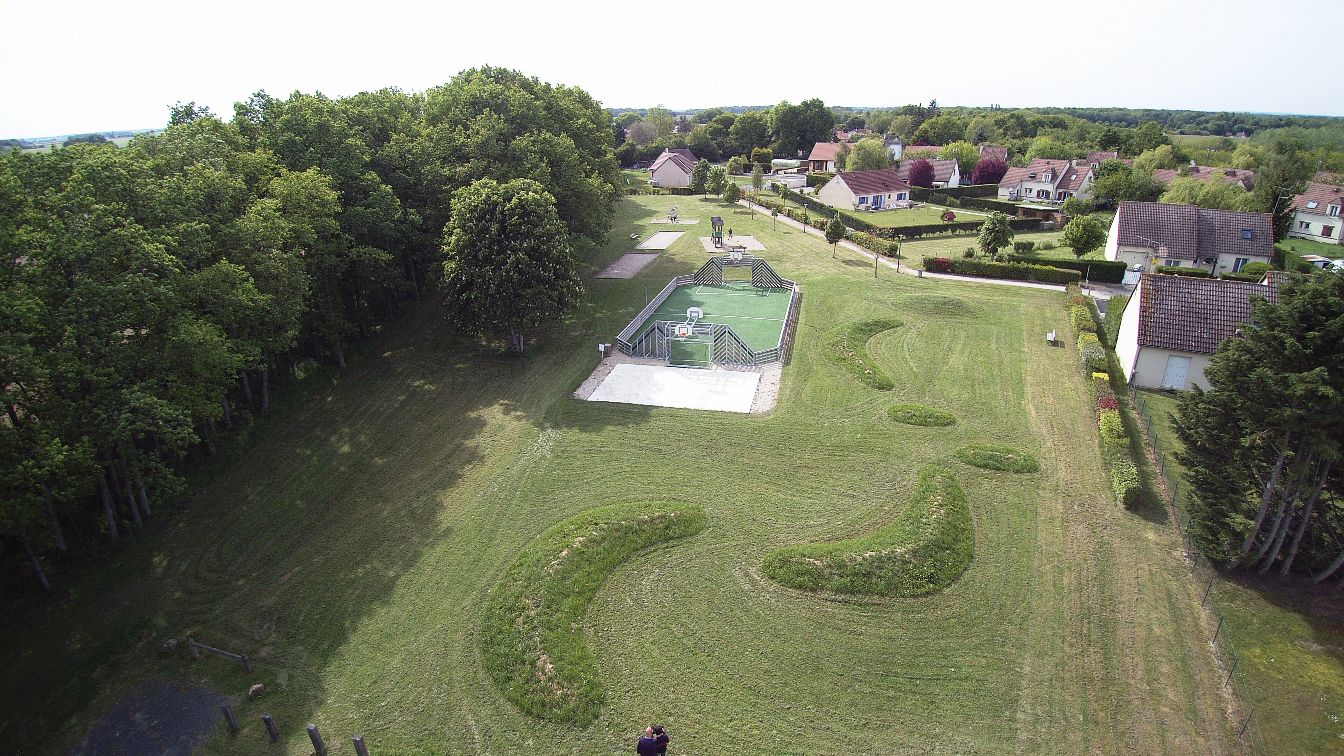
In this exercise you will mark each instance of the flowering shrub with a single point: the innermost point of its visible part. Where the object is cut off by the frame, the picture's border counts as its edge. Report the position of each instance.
(938, 264)
(1081, 318)
(1089, 348)
(1111, 427)
(1105, 403)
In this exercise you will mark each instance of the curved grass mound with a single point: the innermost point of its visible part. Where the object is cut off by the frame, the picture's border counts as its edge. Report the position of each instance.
(532, 638)
(1002, 458)
(925, 550)
(918, 414)
(849, 348)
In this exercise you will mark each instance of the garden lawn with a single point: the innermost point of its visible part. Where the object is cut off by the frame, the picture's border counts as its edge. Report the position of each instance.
(914, 216)
(1289, 639)
(350, 548)
(916, 250)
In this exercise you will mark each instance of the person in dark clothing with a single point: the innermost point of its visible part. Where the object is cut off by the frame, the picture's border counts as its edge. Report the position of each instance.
(661, 739)
(647, 746)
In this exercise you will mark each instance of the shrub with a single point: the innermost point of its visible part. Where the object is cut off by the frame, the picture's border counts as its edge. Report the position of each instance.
(1081, 318)
(1125, 480)
(849, 349)
(1107, 402)
(1255, 269)
(1101, 386)
(1104, 271)
(1181, 271)
(1077, 299)
(1046, 245)
(1024, 247)
(969, 253)
(1089, 348)
(532, 640)
(819, 179)
(1013, 271)
(938, 264)
(926, 549)
(918, 414)
(1002, 458)
(1109, 423)
(1115, 312)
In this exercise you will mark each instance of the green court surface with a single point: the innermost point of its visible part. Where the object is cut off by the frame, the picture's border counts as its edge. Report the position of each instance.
(755, 315)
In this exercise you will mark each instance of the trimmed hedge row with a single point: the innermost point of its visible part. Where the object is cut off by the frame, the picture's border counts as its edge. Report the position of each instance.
(1091, 351)
(921, 194)
(1168, 270)
(907, 232)
(1105, 271)
(1009, 271)
(1115, 310)
(819, 179)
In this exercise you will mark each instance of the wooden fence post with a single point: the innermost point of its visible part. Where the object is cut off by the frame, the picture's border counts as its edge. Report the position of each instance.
(229, 718)
(271, 729)
(316, 737)
(360, 748)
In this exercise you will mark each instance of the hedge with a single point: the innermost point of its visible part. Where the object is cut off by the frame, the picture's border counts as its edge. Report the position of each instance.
(1241, 277)
(1115, 310)
(1181, 271)
(819, 179)
(1009, 271)
(908, 232)
(1089, 348)
(1081, 318)
(921, 194)
(871, 243)
(1125, 480)
(1104, 271)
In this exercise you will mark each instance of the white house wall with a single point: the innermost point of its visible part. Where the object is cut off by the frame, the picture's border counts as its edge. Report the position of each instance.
(1151, 366)
(668, 174)
(837, 194)
(1127, 338)
(1314, 227)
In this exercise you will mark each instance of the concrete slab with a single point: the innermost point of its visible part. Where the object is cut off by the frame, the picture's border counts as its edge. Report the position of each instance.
(626, 266)
(677, 222)
(750, 242)
(660, 240)
(685, 388)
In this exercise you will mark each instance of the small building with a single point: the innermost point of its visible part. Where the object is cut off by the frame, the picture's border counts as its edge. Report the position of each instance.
(1172, 325)
(1149, 234)
(895, 147)
(1045, 180)
(1095, 159)
(1316, 213)
(822, 158)
(946, 173)
(866, 189)
(1243, 178)
(672, 169)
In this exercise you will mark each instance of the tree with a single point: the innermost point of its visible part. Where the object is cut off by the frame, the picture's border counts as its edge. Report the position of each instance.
(749, 131)
(1262, 445)
(508, 264)
(717, 178)
(835, 231)
(1214, 193)
(1118, 182)
(1163, 156)
(762, 156)
(1281, 176)
(921, 173)
(1147, 136)
(1083, 234)
(988, 171)
(965, 153)
(995, 234)
(757, 178)
(702, 144)
(1076, 207)
(732, 192)
(868, 155)
(737, 164)
(940, 130)
(662, 122)
(1050, 147)
(699, 175)
(85, 139)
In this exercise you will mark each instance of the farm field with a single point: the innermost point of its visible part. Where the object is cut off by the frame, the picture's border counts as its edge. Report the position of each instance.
(349, 548)
(1290, 643)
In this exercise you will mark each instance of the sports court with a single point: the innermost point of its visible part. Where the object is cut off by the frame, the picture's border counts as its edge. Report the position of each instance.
(660, 240)
(755, 314)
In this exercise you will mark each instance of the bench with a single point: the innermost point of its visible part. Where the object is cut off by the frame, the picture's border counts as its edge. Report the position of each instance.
(1052, 339)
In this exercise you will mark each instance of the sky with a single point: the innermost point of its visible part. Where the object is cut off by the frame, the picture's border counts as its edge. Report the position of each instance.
(72, 67)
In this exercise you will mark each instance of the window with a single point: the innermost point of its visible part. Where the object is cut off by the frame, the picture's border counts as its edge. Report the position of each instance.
(1247, 233)
(1172, 263)
(863, 200)
(1303, 226)
(1238, 263)
(1327, 231)
(1334, 211)
(1312, 205)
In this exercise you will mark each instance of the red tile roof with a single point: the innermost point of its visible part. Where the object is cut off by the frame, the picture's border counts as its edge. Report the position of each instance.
(873, 182)
(1196, 314)
(1073, 178)
(993, 152)
(1205, 173)
(1035, 171)
(1100, 157)
(824, 151)
(676, 158)
(1324, 195)
(942, 169)
(1194, 233)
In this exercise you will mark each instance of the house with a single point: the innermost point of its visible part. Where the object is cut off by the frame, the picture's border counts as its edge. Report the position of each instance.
(1095, 159)
(1317, 212)
(946, 173)
(1046, 180)
(822, 157)
(1149, 234)
(994, 152)
(894, 146)
(865, 189)
(672, 168)
(1205, 173)
(1172, 325)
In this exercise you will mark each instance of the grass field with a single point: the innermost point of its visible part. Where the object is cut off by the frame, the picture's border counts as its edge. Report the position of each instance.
(755, 315)
(350, 547)
(913, 216)
(916, 250)
(1289, 640)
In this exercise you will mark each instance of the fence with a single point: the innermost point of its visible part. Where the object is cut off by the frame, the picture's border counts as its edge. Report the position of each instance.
(1170, 485)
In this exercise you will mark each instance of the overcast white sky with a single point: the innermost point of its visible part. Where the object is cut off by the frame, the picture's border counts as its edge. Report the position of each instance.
(70, 67)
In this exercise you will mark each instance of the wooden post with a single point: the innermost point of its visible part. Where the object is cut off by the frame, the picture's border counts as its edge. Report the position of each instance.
(271, 729)
(247, 664)
(360, 748)
(1233, 671)
(1242, 731)
(1206, 592)
(1218, 630)
(229, 718)
(316, 737)
(191, 646)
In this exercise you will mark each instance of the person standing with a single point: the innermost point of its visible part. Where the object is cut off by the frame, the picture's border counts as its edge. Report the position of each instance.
(647, 745)
(661, 739)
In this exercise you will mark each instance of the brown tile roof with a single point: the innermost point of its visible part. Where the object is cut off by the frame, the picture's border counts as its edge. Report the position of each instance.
(1324, 195)
(676, 158)
(1073, 178)
(1194, 233)
(1195, 314)
(824, 151)
(993, 152)
(942, 169)
(685, 153)
(1205, 173)
(873, 182)
(1100, 157)
(1034, 171)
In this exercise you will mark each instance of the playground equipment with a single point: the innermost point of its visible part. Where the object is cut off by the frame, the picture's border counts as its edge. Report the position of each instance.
(716, 232)
(672, 215)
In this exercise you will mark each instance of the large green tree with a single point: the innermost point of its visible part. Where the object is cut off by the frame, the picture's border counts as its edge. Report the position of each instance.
(1083, 235)
(995, 234)
(508, 265)
(868, 155)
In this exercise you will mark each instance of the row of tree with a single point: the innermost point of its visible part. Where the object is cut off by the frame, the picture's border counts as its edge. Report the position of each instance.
(150, 295)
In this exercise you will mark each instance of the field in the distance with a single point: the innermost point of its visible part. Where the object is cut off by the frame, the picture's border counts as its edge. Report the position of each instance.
(349, 549)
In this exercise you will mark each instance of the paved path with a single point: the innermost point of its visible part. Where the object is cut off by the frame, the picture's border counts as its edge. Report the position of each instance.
(906, 269)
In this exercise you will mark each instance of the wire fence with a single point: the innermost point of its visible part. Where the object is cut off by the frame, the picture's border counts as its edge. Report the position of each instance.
(1171, 485)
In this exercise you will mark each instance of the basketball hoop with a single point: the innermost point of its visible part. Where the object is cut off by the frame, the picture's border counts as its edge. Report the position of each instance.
(682, 330)
(694, 314)
(735, 255)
